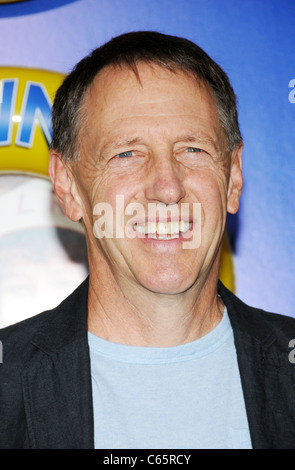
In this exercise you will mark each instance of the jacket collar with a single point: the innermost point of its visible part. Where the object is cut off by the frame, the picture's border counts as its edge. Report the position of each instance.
(70, 324)
(65, 324)
(245, 319)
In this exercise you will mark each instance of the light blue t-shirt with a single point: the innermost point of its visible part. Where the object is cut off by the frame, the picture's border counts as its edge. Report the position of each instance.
(182, 397)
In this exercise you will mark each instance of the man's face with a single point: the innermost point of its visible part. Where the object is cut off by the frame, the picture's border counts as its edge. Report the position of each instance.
(153, 141)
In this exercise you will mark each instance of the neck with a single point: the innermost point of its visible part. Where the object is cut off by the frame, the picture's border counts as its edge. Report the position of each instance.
(133, 315)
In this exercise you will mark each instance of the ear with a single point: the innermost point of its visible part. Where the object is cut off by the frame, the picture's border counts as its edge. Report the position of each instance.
(235, 181)
(65, 186)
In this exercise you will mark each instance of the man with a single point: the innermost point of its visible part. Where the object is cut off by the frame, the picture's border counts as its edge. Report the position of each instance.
(152, 351)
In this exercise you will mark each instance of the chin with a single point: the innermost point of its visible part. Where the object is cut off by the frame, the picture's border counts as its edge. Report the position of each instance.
(168, 285)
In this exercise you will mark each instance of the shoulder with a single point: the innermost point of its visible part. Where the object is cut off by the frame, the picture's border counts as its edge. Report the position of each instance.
(256, 322)
(49, 329)
(17, 351)
(16, 339)
(29, 346)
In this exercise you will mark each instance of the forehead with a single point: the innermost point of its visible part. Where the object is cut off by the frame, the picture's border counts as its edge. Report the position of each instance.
(154, 96)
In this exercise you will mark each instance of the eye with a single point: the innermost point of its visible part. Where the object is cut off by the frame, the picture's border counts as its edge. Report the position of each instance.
(193, 149)
(127, 154)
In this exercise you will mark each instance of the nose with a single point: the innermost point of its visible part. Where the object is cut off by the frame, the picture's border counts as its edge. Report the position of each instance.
(164, 181)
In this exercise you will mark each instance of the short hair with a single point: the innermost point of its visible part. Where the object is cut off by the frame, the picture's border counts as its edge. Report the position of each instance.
(171, 52)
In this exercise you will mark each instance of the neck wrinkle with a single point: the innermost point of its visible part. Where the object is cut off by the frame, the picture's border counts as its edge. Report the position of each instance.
(157, 321)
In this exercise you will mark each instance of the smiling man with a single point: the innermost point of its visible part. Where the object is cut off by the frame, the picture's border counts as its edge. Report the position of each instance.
(151, 351)
(155, 139)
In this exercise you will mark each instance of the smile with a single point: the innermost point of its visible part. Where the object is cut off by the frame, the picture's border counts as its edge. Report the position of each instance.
(163, 230)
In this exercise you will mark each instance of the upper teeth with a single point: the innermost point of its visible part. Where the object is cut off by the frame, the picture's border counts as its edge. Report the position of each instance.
(163, 228)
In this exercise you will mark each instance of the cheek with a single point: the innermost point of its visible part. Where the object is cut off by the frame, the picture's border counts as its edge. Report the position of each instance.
(109, 198)
(210, 189)
(114, 189)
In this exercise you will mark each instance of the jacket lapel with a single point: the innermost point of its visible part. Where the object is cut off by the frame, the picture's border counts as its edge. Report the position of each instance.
(57, 381)
(266, 376)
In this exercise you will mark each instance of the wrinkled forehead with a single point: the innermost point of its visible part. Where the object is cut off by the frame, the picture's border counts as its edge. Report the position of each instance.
(120, 90)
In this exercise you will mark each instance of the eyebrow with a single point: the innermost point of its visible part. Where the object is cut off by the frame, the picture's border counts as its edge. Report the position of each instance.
(188, 138)
(120, 143)
(203, 139)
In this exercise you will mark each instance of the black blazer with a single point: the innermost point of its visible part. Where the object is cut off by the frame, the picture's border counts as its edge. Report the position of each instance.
(45, 382)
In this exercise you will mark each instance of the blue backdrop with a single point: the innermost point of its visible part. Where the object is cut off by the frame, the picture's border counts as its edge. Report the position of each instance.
(253, 40)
